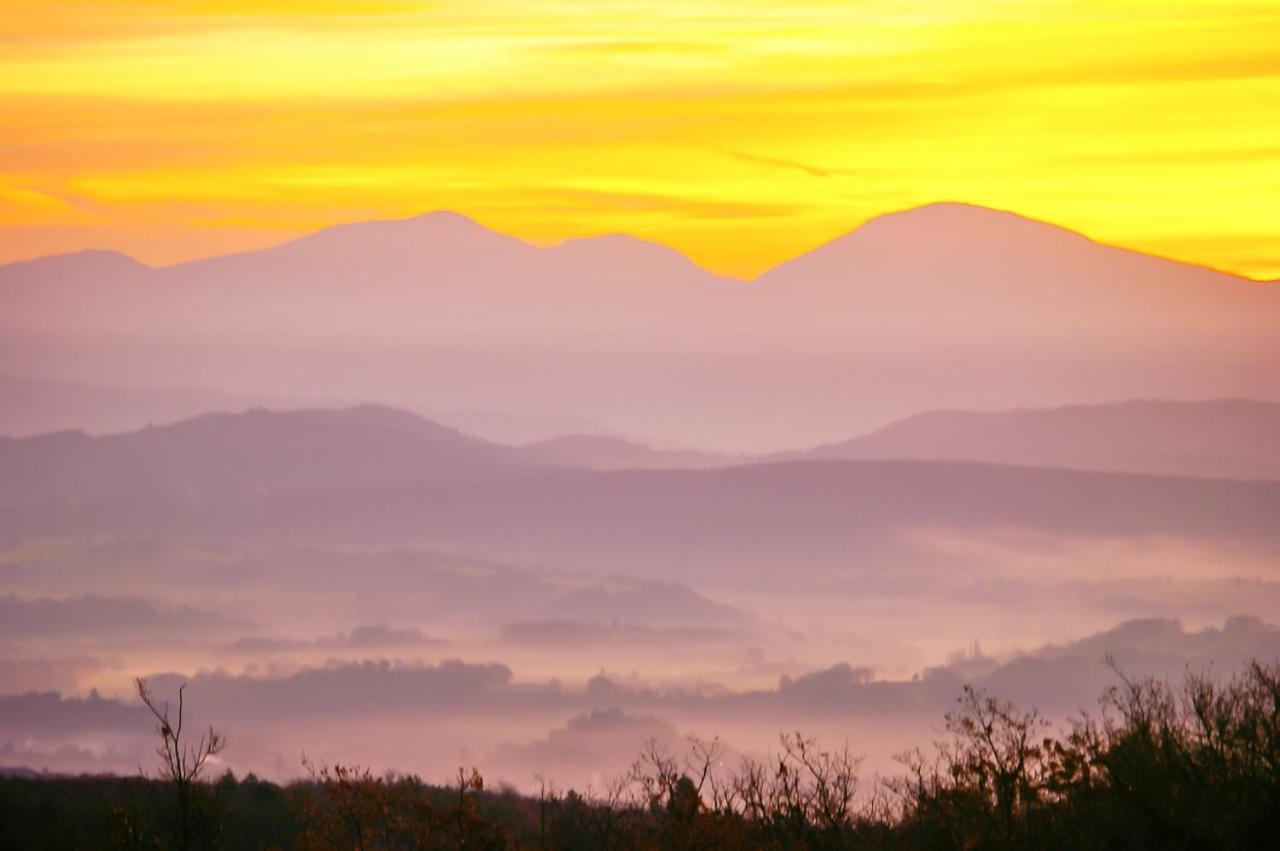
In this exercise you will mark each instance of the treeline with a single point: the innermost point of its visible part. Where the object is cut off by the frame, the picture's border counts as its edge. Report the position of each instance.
(1160, 767)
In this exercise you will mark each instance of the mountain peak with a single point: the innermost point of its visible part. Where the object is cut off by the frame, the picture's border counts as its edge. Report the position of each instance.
(444, 222)
(952, 233)
(363, 416)
(953, 209)
(959, 216)
(444, 218)
(88, 261)
(620, 251)
(379, 247)
(960, 220)
(386, 416)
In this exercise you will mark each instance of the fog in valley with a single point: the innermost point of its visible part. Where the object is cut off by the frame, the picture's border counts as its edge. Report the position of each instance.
(346, 557)
(544, 621)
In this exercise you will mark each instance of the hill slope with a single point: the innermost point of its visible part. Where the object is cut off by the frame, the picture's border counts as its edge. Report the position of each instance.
(373, 476)
(256, 452)
(1224, 438)
(598, 452)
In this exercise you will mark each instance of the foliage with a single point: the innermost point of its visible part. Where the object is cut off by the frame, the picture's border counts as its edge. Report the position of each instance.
(1159, 768)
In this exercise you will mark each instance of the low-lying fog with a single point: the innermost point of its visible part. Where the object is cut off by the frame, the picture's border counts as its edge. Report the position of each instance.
(419, 660)
(366, 586)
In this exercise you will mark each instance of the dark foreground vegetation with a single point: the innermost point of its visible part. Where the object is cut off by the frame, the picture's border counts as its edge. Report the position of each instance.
(1159, 767)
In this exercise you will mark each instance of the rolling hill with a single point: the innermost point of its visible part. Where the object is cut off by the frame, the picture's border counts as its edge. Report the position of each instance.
(255, 452)
(1222, 438)
(601, 452)
(376, 476)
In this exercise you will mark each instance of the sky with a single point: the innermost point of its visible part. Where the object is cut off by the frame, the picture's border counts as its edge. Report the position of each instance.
(742, 133)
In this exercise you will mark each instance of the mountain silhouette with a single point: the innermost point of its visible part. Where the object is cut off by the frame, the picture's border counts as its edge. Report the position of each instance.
(374, 475)
(944, 306)
(1223, 438)
(257, 451)
(599, 452)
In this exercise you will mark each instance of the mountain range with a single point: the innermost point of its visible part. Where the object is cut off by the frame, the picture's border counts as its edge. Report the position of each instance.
(31, 407)
(1227, 438)
(945, 306)
(372, 474)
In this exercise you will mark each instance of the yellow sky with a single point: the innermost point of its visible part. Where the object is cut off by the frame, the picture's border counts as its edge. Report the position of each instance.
(740, 132)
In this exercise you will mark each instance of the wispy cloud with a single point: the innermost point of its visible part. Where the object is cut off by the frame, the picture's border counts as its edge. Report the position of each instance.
(778, 162)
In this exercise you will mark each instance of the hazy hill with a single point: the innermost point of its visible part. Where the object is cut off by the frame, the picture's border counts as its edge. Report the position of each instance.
(439, 274)
(254, 452)
(946, 306)
(598, 452)
(373, 475)
(291, 450)
(1223, 438)
(31, 407)
(991, 271)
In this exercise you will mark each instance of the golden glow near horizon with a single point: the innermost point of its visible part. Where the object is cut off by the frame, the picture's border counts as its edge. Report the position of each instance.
(740, 132)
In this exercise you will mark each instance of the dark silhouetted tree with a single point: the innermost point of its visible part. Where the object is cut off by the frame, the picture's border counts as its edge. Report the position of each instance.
(181, 760)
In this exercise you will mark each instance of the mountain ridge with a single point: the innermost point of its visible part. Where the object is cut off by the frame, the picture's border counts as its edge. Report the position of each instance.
(1212, 438)
(943, 306)
(1215, 438)
(456, 221)
(317, 483)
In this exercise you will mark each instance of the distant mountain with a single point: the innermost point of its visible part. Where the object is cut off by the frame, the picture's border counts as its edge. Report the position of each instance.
(252, 453)
(1225, 438)
(614, 453)
(988, 268)
(440, 274)
(299, 450)
(511, 428)
(945, 306)
(78, 268)
(377, 476)
(31, 407)
(97, 617)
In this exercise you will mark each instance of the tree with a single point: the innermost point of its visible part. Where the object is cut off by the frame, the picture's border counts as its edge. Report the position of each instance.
(182, 761)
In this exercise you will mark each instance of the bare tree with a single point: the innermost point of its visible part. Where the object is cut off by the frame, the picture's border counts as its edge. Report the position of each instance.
(181, 761)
